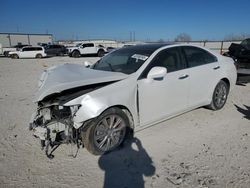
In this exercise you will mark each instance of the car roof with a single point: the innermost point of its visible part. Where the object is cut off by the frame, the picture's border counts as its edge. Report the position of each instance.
(151, 46)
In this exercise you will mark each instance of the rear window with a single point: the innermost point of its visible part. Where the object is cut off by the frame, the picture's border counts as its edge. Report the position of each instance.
(197, 56)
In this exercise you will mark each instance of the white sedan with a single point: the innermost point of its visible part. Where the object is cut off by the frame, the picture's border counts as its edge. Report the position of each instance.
(127, 90)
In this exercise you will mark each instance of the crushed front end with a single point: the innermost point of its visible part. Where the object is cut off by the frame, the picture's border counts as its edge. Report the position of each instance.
(53, 125)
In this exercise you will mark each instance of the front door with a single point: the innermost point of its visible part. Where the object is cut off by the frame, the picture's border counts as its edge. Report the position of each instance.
(160, 99)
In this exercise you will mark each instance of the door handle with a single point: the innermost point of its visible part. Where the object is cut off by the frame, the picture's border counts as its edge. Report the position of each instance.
(217, 67)
(183, 76)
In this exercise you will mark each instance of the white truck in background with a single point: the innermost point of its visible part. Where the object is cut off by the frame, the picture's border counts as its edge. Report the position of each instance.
(86, 49)
(5, 50)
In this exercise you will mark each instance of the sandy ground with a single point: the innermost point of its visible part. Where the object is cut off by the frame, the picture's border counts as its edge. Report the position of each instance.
(201, 148)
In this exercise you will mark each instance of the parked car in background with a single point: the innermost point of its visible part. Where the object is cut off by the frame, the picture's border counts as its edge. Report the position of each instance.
(86, 49)
(55, 50)
(42, 44)
(28, 52)
(17, 47)
(127, 90)
(241, 55)
(110, 49)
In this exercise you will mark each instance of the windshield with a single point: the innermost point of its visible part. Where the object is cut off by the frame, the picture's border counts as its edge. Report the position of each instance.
(246, 43)
(125, 60)
(79, 44)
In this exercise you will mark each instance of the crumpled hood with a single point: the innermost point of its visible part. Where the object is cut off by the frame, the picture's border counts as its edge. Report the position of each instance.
(67, 76)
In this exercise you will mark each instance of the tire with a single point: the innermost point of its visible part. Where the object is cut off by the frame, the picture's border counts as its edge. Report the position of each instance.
(39, 56)
(219, 96)
(106, 132)
(14, 56)
(76, 54)
(100, 53)
(6, 53)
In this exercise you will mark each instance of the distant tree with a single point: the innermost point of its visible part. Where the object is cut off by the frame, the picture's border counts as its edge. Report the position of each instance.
(241, 36)
(183, 37)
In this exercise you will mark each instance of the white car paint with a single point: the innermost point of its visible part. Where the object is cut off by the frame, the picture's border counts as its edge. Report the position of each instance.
(158, 101)
(66, 76)
(166, 98)
(29, 52)
(149, 100)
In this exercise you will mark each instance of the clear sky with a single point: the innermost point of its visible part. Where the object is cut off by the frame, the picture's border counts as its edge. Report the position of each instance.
(116, 19)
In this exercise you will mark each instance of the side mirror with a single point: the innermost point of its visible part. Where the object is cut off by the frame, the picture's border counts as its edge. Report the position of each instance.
(87, 64)
(157, 73)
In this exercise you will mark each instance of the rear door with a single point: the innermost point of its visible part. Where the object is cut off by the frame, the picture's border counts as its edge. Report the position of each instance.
(204, 71)
(159, 99)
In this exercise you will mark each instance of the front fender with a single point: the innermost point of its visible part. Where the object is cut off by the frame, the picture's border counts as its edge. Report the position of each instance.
(90, 108)
(122, 93)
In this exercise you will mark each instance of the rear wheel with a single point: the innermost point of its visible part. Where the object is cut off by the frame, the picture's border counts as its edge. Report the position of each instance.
(100, 53)
(219, 96)
(76, 54)
(106, 132)
(39, 56)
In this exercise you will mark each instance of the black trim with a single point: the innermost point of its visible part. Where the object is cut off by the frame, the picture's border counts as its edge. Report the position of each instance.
(185, 55)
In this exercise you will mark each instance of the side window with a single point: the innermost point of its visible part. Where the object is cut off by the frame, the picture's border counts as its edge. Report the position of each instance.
(29, 49)
(197, 56)
(170, 58)
(25, 49)
(90, 45)
(84, 45)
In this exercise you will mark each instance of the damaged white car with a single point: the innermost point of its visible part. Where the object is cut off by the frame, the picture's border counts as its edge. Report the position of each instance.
(127, 90)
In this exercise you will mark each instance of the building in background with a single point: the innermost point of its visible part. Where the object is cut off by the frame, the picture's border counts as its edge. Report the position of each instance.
(12, 39)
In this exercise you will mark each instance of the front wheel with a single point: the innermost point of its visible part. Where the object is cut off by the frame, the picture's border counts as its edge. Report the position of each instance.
(76, 54)
(106, 132)
(14, 56)
(219, 96)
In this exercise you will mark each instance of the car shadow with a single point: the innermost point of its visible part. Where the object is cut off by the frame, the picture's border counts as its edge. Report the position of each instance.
(245, 111)
(125, 167)
(240, 84)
